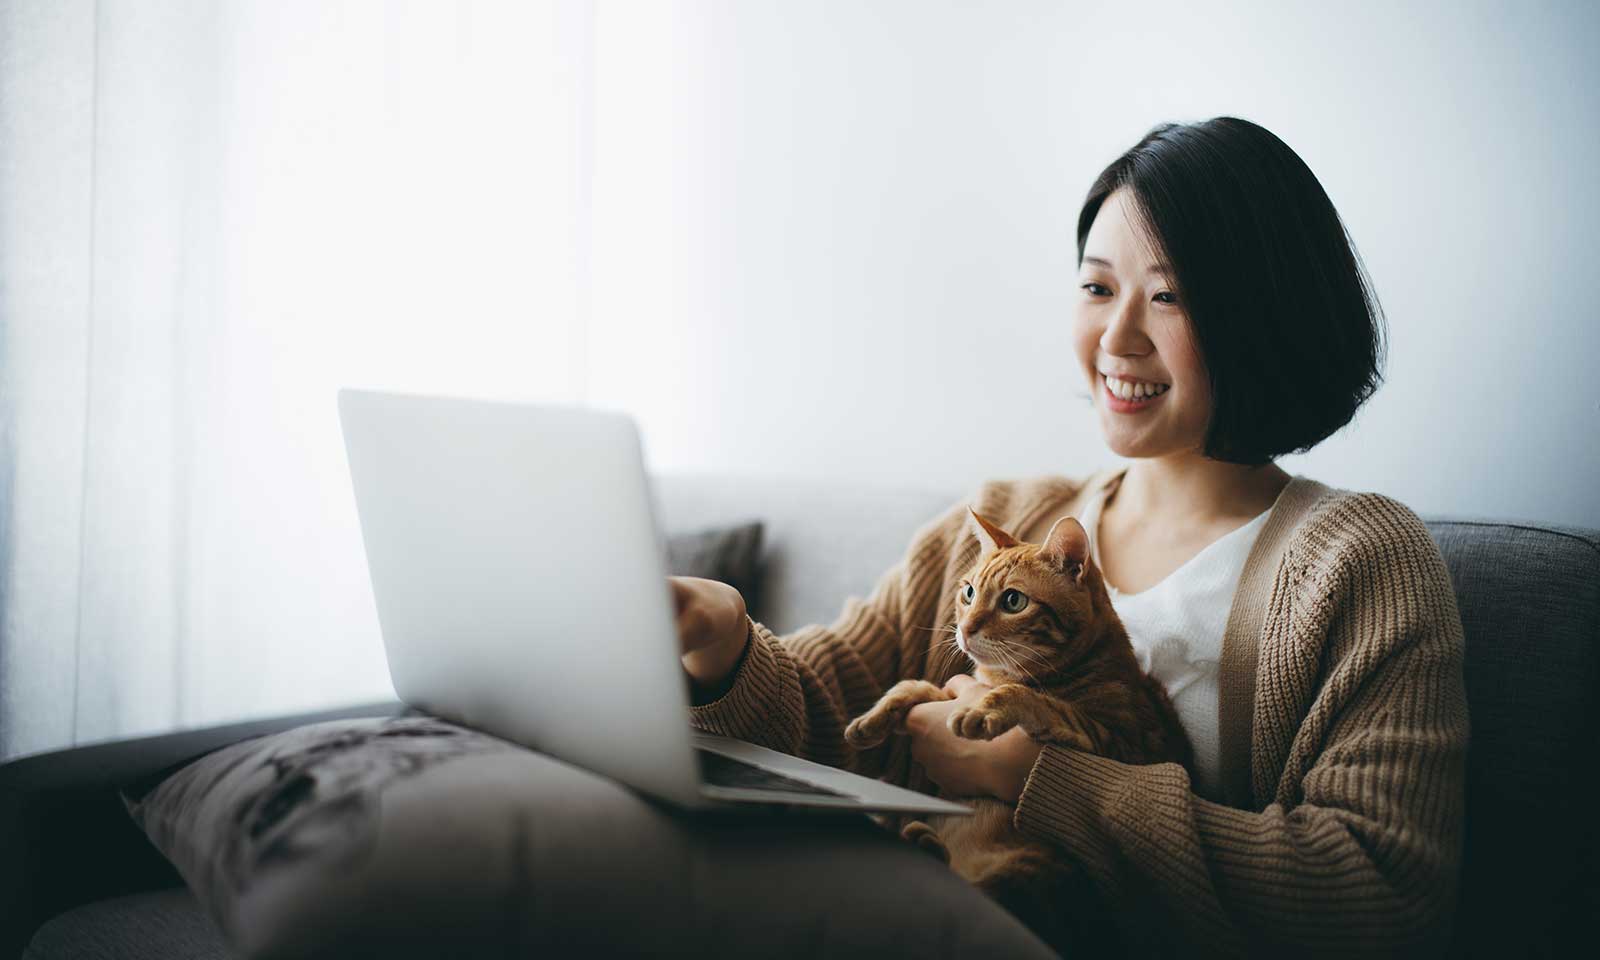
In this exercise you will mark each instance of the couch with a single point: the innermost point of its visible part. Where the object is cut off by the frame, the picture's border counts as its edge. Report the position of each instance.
(77, 878)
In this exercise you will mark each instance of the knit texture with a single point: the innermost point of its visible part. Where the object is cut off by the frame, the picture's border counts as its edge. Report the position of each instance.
(1343, 829)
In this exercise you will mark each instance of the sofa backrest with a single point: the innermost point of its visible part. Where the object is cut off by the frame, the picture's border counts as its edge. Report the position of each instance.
(1529, 597)
(823, 542)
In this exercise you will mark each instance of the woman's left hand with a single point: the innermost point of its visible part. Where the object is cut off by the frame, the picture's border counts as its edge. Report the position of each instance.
(969, 768)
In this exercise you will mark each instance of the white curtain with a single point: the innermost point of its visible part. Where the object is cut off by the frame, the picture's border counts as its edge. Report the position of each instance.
(212, 216)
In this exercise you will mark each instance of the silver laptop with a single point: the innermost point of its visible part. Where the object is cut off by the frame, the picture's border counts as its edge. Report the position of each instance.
(521, 590)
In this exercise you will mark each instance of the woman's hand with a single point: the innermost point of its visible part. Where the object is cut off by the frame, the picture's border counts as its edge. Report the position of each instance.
(969, 768)
(712, 629)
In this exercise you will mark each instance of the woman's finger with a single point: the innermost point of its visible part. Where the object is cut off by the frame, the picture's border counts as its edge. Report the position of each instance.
(959, 684)
(680, 594)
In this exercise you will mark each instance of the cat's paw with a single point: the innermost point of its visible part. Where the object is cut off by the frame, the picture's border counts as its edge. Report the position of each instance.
(926, 838)
(976, 723)
(869, 729)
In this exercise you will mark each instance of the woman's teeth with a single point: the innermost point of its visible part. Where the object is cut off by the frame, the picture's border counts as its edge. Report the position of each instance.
(1135, 391)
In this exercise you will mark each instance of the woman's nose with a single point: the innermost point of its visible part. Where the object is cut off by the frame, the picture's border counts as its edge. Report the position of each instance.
(1124, 333)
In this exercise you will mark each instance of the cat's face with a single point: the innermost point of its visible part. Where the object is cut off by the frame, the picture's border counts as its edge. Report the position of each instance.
(1023, 607)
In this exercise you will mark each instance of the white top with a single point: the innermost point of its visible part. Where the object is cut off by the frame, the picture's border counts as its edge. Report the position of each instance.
(1176, 629)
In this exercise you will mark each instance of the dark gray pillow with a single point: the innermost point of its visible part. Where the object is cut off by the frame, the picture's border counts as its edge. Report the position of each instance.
(730, 554)
(413, 837)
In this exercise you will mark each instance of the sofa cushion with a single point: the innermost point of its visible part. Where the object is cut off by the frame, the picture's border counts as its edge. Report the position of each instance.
(421, 838)
(1529, 599)
(731, 554)
(167, 923)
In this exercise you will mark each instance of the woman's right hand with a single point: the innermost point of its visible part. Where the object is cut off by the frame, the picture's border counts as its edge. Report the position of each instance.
(712, 629)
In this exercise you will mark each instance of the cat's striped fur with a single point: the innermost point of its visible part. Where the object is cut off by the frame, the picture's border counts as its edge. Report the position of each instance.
(1038, 625)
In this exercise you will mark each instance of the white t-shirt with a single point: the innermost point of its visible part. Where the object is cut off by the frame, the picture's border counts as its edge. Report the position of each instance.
(1176, 628)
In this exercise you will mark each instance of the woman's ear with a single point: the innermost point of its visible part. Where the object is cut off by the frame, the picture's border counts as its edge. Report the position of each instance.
(991, 536)
(1066, 547)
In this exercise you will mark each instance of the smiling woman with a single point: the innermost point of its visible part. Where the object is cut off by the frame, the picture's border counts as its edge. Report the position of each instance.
(1308, 636)
(1211, 260)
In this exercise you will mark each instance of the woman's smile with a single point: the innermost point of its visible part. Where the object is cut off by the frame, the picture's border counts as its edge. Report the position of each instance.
(1124, 396)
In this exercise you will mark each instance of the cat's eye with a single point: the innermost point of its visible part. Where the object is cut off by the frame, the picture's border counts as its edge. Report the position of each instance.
(967, 593)
(1013, 600)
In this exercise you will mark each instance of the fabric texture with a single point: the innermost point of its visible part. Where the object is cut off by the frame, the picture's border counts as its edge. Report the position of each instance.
(1530, 607)
(413, 837)
(165, 923)
(1345, 778)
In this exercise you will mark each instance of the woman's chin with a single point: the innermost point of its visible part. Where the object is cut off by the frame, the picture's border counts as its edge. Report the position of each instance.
(1136, 447)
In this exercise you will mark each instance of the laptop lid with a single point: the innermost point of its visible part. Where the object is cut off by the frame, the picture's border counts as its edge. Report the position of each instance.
(520, 578)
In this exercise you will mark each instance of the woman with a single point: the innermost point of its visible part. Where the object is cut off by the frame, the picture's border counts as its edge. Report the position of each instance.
(1309, 635)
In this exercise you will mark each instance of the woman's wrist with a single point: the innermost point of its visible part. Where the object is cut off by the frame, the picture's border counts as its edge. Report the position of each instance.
(721, 665)
(1011, 759)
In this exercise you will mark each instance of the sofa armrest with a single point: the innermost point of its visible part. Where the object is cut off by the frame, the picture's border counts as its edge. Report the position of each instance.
(65, 837)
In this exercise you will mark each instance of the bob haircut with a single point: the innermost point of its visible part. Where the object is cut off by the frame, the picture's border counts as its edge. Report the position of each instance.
(1282, 309)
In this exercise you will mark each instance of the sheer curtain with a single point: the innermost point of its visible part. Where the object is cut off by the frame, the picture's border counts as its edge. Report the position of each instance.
(211, 217)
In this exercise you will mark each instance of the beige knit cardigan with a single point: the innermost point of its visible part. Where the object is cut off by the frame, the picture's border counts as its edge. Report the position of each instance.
(1343, 720)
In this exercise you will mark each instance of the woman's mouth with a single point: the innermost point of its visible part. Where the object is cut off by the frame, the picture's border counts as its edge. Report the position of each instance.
(1125, 397)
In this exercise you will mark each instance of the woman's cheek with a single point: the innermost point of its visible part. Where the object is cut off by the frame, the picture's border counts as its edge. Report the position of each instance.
(1083, 346)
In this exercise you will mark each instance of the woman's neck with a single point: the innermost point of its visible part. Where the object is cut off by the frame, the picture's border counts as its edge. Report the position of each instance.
(1193, 492)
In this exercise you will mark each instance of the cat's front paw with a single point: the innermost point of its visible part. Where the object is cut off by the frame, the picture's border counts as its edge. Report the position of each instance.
(869, 729)
(977, 723)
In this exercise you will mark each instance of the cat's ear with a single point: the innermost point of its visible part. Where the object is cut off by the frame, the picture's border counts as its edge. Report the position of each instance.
(991, 536)
(1066, 547)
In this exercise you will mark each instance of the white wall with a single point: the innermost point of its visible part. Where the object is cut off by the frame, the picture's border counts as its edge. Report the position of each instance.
(836, 238)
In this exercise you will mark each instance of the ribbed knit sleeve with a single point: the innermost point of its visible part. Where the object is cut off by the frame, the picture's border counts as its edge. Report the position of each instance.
(796, 693)
(1358, 769)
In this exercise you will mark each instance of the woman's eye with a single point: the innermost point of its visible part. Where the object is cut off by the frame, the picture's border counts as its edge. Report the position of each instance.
(1096, 290)
(966, 593)
(1170, 297)
(1013, 600)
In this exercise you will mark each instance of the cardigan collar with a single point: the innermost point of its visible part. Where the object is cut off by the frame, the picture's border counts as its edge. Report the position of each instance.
(1241, 639)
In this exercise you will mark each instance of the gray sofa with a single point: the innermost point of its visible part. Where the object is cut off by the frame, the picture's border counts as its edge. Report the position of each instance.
(78, 879)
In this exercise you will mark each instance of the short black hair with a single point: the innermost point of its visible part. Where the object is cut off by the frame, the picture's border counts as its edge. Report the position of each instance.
(1281, 307)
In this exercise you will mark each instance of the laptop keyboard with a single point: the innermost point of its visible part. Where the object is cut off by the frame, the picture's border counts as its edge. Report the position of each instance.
(722, 771)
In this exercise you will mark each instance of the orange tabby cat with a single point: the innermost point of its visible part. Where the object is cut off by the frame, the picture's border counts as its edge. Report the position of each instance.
(1038, 624)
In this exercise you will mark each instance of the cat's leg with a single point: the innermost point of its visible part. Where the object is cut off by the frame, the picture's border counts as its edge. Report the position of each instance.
(1065, 723)
(1046, 719)
(995, 712)
(889, 713)
(927, 838)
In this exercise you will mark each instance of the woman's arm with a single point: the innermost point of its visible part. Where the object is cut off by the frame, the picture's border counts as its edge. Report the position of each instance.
(1360, 848)
(797, 693)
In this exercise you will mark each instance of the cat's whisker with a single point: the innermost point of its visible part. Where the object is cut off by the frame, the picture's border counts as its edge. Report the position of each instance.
(947, 651)
(1015, 663)
(1030, 653)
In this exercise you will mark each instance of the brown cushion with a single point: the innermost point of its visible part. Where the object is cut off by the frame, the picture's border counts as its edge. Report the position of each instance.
(421, 838)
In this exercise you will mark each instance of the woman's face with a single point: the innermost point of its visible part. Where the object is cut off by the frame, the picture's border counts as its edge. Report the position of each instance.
(1129, 324)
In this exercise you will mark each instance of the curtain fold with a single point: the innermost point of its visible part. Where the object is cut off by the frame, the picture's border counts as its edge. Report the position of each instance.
(212, 216)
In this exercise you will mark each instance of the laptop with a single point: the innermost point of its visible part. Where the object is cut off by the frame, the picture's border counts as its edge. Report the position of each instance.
(521, 590)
